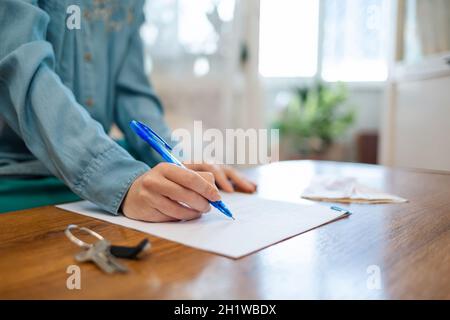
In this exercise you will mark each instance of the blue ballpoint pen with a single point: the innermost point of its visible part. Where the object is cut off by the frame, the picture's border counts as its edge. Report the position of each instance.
(160, 146)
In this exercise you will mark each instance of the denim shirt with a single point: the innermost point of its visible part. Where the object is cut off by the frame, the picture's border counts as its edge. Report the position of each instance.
(61, 89)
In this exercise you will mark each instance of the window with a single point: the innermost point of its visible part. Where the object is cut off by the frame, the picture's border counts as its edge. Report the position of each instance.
(186, 35)
(288, 39)
(355, 40)
(336, 40)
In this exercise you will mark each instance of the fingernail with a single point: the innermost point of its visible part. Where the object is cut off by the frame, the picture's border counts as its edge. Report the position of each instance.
(217, 196)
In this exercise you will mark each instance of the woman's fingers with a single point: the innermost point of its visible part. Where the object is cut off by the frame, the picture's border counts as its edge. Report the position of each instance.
(222, 180)
(186, 196)
(208, 176)
(193, 181)
(226, 177)
(153, 215)
(176, 210)
(240, 182)
(219, 175)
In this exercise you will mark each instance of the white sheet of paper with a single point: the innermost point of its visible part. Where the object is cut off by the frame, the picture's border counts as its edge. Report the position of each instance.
(259, 223)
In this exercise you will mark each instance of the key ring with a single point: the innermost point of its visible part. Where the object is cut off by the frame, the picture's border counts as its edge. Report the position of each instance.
(77, 241)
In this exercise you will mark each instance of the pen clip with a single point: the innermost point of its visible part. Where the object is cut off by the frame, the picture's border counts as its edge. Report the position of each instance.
(136, 125)
(344, 211)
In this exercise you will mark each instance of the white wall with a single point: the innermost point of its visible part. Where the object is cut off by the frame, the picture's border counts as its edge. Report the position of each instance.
(368, 102)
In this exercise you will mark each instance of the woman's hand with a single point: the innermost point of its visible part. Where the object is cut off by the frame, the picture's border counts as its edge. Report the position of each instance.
(157, 195)
(227, 178)
(170, 193)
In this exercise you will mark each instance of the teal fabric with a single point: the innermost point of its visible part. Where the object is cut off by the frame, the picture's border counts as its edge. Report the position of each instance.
(61, 89)
(26, 193)
(18, 194)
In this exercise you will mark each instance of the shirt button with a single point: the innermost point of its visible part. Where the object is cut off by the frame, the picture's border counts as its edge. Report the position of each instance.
(88, 57)
(130, 17)
(90, 102)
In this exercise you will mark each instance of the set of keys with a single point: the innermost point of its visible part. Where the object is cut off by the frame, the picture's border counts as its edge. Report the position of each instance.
(103, 253)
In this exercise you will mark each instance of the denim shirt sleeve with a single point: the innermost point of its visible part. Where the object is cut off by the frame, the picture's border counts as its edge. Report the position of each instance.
(136, 99)
(45, 114)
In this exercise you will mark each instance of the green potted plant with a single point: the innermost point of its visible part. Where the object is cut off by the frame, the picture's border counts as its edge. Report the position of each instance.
(313, 120)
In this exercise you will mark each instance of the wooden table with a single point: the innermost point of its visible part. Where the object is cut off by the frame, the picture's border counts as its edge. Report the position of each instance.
(409, 244)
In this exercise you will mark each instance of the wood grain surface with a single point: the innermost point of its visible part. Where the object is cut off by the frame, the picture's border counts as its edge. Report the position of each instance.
(408, 243)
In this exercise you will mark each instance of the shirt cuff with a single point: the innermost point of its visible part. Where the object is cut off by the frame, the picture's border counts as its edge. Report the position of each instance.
(108, 177)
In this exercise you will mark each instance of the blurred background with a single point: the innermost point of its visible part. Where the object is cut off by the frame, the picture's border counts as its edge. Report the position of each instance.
(343, 80)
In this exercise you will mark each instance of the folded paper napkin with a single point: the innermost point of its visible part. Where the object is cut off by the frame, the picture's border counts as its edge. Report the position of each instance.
(346, 190)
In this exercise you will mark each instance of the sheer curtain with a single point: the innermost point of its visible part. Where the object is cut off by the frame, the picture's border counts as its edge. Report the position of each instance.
(427, 28)
(433, 20)
(355, 40)
(197, 56)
